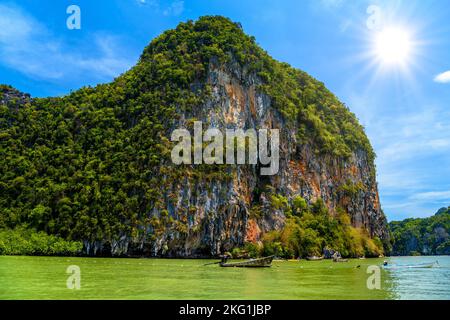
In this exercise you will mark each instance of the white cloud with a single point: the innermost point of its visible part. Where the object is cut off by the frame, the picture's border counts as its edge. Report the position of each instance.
(439, 143)
(443, 77)
(432, 196)
(410, 137)
(332, 3)
(412, 144)
(345, 25)
(175, 9)
(151, 3)
(14, 25)
(28, 47)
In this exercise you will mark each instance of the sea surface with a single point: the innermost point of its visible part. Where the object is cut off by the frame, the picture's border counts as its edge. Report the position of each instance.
(23, 277)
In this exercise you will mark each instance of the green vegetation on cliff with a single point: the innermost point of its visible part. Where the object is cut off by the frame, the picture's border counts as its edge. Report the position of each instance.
(21, 241)
(88, 166)
(427, 236)
(310, 230)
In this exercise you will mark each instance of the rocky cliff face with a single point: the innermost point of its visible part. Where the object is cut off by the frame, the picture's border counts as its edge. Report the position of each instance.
(11, 96)
(109, 180)
(223, 210)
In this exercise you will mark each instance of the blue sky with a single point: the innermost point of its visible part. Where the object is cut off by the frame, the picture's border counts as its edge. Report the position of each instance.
(405, 106)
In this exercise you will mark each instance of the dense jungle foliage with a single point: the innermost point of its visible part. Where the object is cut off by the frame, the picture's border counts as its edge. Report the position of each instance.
(422, 236)
(22, 241)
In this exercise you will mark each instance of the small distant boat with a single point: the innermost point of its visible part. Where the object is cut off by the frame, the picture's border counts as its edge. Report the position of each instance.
(252, 263)
(410, 266)
(314, 258)
(340, 260)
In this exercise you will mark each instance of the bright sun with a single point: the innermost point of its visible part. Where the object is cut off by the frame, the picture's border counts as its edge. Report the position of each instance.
(393, 46)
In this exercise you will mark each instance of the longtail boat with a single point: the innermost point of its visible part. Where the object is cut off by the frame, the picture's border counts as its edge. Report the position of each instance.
(340, 260)
(314, 258)
(408, 266)
(252, 263)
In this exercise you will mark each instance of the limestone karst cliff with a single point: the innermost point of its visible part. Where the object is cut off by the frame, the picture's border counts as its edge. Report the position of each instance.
(422, 236)
(95, 165)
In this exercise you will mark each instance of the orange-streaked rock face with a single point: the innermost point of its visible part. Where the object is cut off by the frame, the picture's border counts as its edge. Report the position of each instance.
(222, 218)
(253, 232)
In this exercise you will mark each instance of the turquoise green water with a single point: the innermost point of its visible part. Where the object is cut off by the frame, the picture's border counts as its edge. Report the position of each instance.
(104, 278)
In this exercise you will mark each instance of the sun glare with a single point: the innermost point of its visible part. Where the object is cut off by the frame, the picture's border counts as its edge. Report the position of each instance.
(393, 46)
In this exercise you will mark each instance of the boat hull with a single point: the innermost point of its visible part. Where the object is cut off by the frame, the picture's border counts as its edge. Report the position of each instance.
(340, 260)
(314, 258)
(412, 266)
(254, 263)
